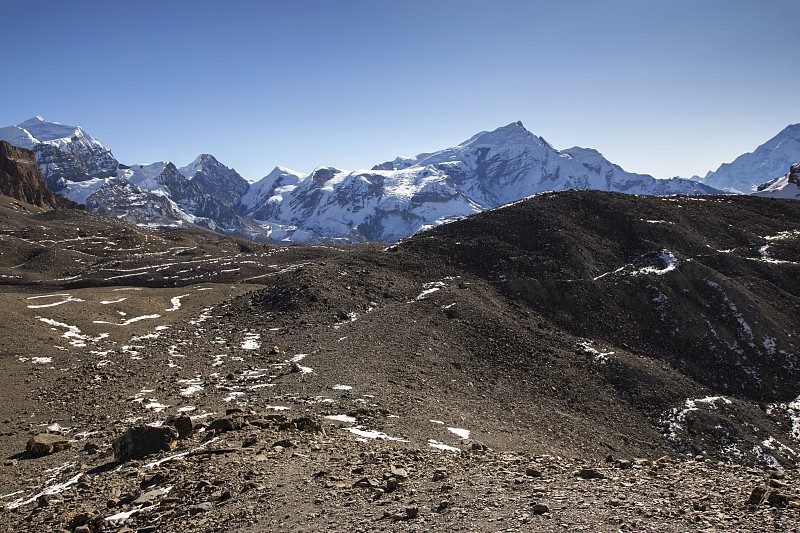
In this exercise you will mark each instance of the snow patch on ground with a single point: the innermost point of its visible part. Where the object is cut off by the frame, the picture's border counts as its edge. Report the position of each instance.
(73, 333)
(371, 434)
(251, 341)
(176, 302)
(65, 298)
(342, 418)
(461, 433)
(444, 447)
(128, 321)
(601, 357)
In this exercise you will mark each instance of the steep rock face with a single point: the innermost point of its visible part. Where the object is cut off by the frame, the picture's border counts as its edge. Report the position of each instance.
(398, 198)
(215, 179)
(787, 186)
(21, 179)
(767, 162)
(64, 153)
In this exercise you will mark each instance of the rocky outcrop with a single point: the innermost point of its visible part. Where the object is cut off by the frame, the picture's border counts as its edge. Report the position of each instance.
(21, 179)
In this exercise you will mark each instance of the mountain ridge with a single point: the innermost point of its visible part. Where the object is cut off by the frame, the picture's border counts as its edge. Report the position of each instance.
(392, 201)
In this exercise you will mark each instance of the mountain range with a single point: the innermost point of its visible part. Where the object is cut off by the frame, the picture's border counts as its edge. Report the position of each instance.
(393, 200)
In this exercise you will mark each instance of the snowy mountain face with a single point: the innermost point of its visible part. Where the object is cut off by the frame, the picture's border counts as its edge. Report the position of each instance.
(188, 195)
(767, 162)
(390, 202)
(787, 186)
(62, 152)
(398, 198)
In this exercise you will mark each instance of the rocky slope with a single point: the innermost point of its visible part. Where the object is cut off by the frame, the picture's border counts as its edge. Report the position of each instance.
(767, 162)
(21, 179)
(578, 360)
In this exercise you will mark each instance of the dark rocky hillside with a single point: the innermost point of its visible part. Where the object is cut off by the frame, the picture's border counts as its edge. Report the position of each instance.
(575, 361)
(20, 178)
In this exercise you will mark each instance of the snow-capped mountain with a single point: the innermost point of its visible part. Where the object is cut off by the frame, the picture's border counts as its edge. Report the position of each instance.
(188, 196)
(398, 198)
(765, 163)
(787, 186)
(63, 152)
(392, 201)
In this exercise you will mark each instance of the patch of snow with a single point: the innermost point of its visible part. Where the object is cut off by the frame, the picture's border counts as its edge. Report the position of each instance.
(371, 434)
(176, 302)
(461, 433)
(444, 447)
(66, 298)
(342, 418)
(251, 341)
(128, 321)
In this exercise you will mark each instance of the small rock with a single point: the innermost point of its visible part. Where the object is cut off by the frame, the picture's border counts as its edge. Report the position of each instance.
(590, 473)
(477, 446)
(91, 448)
(252, 440)
(47, 444)
(306, 423)
(756, 496)
(43, 500)
(624, 464)
(444, 504)
(532, 472)
(227, 423)
(275, 350)
(285, 443)
(141, 441)
(440, 474)
(184, 426)
(201, 508)
(540, 508)
(400, 473)
(412, 512)
(82, 518)
(777, 499)
(148, 497)
(366, 482)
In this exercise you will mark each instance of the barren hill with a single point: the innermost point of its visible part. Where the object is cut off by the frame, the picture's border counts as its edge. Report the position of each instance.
(457, 380)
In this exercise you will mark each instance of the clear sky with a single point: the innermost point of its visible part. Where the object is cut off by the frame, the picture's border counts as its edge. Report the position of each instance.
(661, 87)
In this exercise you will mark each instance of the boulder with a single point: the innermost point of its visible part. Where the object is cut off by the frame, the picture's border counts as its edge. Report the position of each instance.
(47, 444)
(141, 441)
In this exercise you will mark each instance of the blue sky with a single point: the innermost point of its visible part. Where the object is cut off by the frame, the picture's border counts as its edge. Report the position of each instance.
(661, 87)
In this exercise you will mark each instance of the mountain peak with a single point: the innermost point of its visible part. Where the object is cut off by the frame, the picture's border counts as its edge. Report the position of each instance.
(33, 121)
(511, 134)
